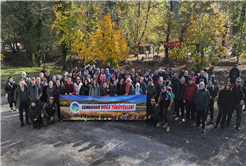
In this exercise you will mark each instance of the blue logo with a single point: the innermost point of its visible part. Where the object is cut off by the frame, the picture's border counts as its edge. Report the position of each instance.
(74, 107)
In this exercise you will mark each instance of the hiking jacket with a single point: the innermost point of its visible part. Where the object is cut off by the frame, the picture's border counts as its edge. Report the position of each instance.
(190, 91)
(201, 99)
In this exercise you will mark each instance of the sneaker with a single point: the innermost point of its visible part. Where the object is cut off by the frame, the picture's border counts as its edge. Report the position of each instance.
(11, 109)
(183, 120)
(177, 118)
(39, 127)
(27, 122)
(204, 130)
(165, 125)
(144, 124)
(216, 126)
(45, 126)
(196, 127)
(192, 123)
(168, 128)
(158, 124)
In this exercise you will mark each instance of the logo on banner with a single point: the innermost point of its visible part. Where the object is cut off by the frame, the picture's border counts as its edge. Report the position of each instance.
(74, 106)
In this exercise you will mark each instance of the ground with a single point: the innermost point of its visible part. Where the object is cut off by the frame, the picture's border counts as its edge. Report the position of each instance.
(118, 143)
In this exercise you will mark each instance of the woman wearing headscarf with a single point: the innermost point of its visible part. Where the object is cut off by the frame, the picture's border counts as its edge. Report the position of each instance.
(78, 85)
(138, 90)
(10, 89)
(129, 89)
(54, 80)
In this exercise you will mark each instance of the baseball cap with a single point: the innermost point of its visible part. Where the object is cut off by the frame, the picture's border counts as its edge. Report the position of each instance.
(163, 86)
(32, 78)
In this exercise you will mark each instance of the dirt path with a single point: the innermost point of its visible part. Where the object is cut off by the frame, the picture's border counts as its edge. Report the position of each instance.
(118, 143)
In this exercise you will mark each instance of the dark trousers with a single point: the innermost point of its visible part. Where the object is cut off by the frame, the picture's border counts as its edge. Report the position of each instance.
(211, 109)
(25, 106)
(39, 104)
(149, 96)
(190, 108)
(179, 104)
(11, 100)
(238, 109)
(166, 115)
(36, 123)
(47, 118)
(223, 111)
(201, 114)
(152, 119)
(58, 108)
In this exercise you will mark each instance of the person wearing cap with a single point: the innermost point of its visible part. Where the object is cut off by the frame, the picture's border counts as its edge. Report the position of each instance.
(25, 78)
(49, 112)
(35, 92)
(188, 99)
(234, 73)
(10, 89)
(108, 75)
(22, 101)
(201, 101)
(152, 114)
(47, 75)
(35, 115)
(129, 89)
(165, 102)
(179, 99)
(150, 91)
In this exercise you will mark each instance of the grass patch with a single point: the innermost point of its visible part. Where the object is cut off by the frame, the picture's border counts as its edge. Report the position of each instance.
(7, 71)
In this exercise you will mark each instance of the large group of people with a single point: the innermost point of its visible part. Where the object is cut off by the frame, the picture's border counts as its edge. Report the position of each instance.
(189, 94)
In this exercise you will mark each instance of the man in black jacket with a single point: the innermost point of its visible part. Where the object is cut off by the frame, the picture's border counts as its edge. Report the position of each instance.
(142, 85)
(47, 76)
(175, 83)
(239, 98)
(152, 114)
(49, 112)
(35, 92)
(201, 78)
(179, 99)
(234, 73)
(213, 93)
(35, 115)
(201, 101)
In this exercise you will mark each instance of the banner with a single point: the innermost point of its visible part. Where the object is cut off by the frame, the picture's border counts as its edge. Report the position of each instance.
(131, 107)
(171, 45)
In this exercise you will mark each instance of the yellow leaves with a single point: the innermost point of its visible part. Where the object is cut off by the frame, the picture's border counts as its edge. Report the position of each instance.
(2, 57)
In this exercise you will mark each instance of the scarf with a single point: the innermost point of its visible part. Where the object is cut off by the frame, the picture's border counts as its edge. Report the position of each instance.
(22, 89)
(127, 88)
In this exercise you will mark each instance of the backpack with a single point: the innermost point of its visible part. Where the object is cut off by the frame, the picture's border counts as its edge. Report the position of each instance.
(153, 87)
(212, 87)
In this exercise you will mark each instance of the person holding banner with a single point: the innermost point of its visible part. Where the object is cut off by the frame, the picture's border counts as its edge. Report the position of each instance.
(49, 112)
(165, 100)
(94, 89)
(152, 114)
(129, 89)
(113, 90)
(138, 91)
(84, 90)
(69, 87)
(122, 87)
(104, 90)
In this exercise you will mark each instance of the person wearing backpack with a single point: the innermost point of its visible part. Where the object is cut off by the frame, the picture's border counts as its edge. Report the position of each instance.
(201, 101)
(188, 99)
(234, 73)
(151, 92)
(165, 101)
(239, 97)
(213, 93)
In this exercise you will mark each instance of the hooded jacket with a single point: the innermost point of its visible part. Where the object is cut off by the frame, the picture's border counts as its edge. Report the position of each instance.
(34, 92)
(17, 96)
(35, 112)
(113, 90)
(153, 111)
(180, 91)
(226, 98)
(201, 99)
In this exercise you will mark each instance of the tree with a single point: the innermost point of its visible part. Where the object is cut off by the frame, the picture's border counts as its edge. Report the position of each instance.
(109, 43)
(204, 38)
(27, 23)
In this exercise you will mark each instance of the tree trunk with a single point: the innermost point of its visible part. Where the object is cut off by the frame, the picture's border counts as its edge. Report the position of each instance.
(64, 56)
(168, 32)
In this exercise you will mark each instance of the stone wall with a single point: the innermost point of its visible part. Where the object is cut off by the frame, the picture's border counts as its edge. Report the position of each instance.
(222, 74)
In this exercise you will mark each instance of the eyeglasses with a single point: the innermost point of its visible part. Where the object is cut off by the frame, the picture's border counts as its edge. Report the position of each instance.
(77, 79)
(238, 81)
(51, 99)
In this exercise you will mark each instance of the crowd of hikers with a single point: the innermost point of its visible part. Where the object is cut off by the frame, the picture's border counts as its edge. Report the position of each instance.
(190, 95)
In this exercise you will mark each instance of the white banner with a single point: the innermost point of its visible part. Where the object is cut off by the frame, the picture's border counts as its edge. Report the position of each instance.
(76, 107)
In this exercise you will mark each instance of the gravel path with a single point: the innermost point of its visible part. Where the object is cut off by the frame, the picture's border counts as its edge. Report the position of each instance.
(118, 143)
